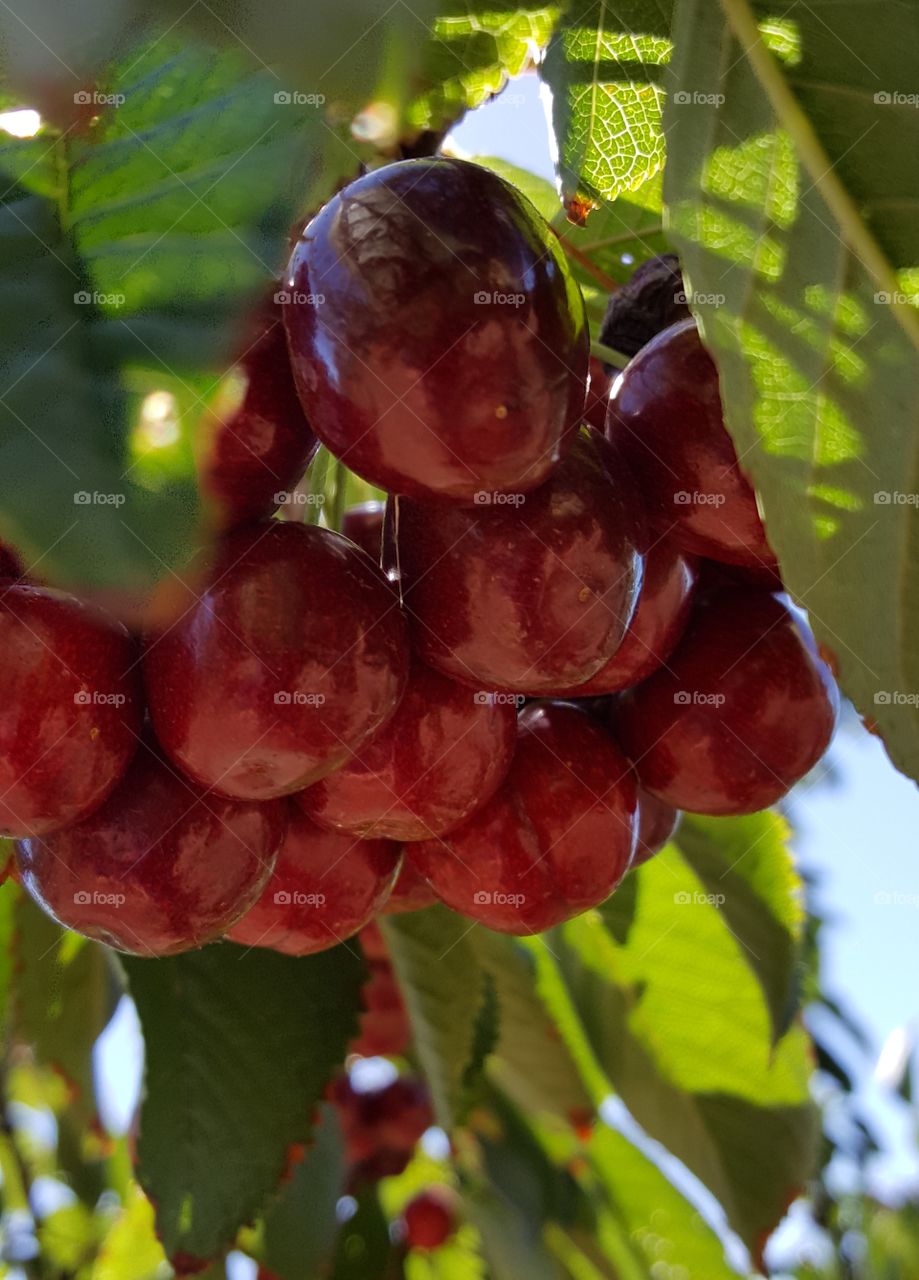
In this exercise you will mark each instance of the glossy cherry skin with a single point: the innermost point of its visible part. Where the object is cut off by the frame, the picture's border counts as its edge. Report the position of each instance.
(411, 893)
(743, 709)
(325, 887)
(71, 708)
(657, 822)
(255, 444)
(448, 354)
(530, 596)
(363, 524)
(554, 841)
(160, 868)
(660, 618)
(429, 1219)
(665, 414)
(287, 655)
(441, 755)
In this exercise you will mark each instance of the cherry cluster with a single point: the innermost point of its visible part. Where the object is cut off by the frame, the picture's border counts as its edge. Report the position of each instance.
(498, 693)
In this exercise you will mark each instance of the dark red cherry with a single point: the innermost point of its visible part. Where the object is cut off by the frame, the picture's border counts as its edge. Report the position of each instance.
(255, 441)
(743, 709)
(411, 893)
(363, 524)
(715, 574)
(286, 657)
(554, 841)
(665, 414)
(657, 822)
(385, 1028)
(437, 338)
(531, 594)
(385, 1122)
(429, 1219)
(160, 868)
(660, 618)
(325, 887)
(11, 565)
(70, 708)
(440, 756)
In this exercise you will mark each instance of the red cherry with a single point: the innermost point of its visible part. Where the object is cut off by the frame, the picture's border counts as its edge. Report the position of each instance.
(385, 1026)
(162, 867)
(743, 709)
(429, 1219)
(437, 338)
(659, 620)
(714, 575)
(363, 524)
(527, 596)
(441, 755)
(261, 444)
(291, 654)
(381, 1127)
(554, 841)
(71, 708)
(325, 887)
(11, 565)
(657, 822)
(411, 893)
(665, 414)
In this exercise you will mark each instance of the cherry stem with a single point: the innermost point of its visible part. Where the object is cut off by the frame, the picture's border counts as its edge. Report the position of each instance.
(609, 355)
(606, 282)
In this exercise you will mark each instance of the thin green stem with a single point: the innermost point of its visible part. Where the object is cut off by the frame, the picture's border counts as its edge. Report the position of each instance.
(608, 355)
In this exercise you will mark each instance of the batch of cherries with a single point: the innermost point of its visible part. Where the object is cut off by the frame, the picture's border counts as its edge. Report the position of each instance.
(565, 630)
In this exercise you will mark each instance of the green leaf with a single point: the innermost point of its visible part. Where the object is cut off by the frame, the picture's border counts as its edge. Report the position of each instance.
(604, 67)
(660, 1223)
(240, 1045)
(301, 1226)
(131, 1250)
(129, 253)
(679, 1023)
(474, 47)
(530, 1062)
(745, 865)
(65, 992)
(443, 987)
(794, 216)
